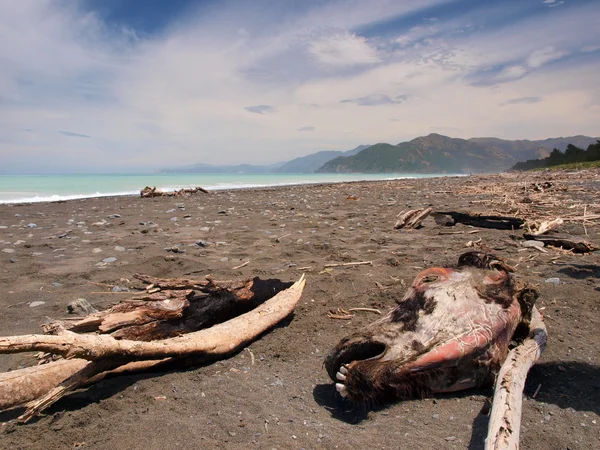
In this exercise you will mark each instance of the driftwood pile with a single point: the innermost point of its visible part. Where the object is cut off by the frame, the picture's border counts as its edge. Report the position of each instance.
(171, 319)
(150, 192)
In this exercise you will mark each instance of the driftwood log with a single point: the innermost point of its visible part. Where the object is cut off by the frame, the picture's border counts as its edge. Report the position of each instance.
(121, 339)
(412, 218)
(149, 192)
(451, 218)
(564, 241)
(505, 419)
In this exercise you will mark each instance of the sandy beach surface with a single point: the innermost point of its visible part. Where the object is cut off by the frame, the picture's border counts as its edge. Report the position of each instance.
(275, 393)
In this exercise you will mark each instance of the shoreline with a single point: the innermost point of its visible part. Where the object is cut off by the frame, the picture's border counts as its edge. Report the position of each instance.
(71, 197)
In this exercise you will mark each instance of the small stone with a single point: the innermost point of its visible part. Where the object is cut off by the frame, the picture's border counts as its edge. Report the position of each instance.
(204, 228)
(532, 244)
(114, 216)
(436, 417)
(34, 304)
(118, 248)
(12, 260)
(201, 243)
(173, 219)
(57, 284)
(451, 438)
(554, 281)
(8, 250)
(97, 250)
(224, 259)
(31, 225)
(110, 259)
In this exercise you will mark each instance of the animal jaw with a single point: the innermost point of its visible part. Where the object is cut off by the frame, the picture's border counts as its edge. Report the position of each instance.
(451, 331)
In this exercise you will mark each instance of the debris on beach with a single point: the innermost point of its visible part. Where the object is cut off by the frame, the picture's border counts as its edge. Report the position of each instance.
(171, 319)
(451, 218)
(412, 218)
(150, 192)
(566, 242)
(450, 332)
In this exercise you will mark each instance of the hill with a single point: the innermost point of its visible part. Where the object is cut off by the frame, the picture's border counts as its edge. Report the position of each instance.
(312, 162)
(436, 153)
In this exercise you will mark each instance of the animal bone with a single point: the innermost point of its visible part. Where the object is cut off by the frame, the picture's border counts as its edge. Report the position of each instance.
(451, 331)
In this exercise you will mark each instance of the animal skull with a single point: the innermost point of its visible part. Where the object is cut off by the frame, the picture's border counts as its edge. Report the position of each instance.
(451, 331)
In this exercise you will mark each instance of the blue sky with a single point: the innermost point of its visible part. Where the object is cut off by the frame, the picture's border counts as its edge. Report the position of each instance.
(136, 85)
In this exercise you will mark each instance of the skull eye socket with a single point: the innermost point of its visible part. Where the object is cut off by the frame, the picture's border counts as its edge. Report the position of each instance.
(430, 278)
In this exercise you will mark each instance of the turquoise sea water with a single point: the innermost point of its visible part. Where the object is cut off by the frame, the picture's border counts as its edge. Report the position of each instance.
(44, 188)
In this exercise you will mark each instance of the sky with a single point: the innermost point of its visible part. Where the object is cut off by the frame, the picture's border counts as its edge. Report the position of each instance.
(139, 85)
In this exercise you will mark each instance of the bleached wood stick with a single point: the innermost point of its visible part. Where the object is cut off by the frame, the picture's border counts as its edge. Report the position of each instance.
(360, 263)
(505, 419)
(218, 340)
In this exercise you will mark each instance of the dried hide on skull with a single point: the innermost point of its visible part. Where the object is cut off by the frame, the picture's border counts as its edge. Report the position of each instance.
(451, 331)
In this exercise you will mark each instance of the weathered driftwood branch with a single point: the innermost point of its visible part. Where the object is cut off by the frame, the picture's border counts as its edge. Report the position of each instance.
(93, 356)
(412, 218)
(451, 218)
(149, 192)
(505, 418)
(566, 242)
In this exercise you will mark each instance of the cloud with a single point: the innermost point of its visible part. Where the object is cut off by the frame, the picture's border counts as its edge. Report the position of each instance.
(543, 56)
(175, 92)
(522, 100)
(342, 50)
(307, 129)
(376, 100)
(260, 109)
(71, 134)
(553, 3)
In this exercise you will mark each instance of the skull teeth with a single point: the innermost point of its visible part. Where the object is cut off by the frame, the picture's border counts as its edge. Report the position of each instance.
(340, 376)
(341, 389)
(343, 369)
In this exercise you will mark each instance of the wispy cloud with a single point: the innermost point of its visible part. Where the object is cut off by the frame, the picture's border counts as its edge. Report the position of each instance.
(377, 99)
(522, 100)
(553, 3)
(260, 109)
(307, 128)
(71, 134)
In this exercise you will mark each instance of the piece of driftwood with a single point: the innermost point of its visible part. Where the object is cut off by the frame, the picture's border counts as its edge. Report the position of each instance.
(91, 356)
(150, 192)
(543, 227)
(564, 241)
(412, 218)
(451, 218)
(505, 418)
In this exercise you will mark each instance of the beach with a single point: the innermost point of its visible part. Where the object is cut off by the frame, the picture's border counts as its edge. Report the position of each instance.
(275, 393)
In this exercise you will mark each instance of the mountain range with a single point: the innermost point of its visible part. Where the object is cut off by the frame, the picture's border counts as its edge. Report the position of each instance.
(433, 153)
(436, 153)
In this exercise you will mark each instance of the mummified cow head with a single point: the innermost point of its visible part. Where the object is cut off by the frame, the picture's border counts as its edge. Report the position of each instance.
(451, 331)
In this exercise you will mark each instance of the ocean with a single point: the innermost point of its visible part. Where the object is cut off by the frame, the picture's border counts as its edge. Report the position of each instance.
(49, 188)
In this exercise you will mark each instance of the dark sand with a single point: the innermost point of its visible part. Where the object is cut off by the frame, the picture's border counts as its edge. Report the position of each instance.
(285, 399)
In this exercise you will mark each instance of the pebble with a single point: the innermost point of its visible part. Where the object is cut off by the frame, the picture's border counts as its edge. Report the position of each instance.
(114, 216)
(12, 260)
(204, 228)
(97, 250)
(554, 281)
(34, 304)
(110, 259)
(8, 250)
(31, 225)
(201, 243)
(57, 284)
(530, 244)
(118, 248)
